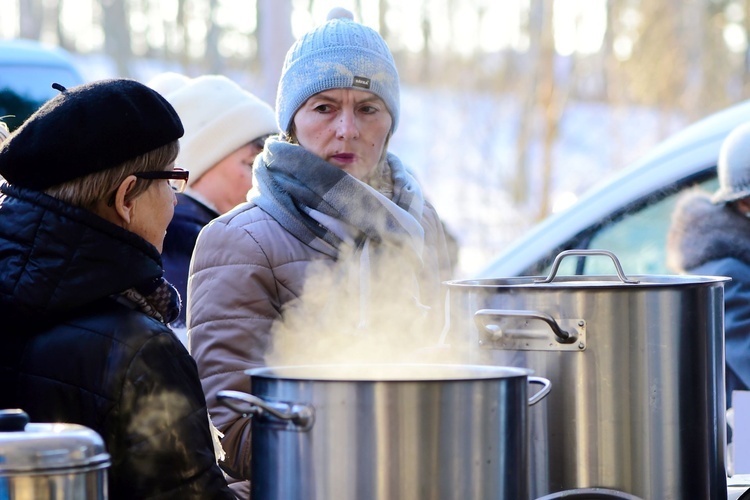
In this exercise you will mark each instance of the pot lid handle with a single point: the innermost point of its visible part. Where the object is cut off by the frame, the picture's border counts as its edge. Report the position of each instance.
(13, 420)
(581, 253)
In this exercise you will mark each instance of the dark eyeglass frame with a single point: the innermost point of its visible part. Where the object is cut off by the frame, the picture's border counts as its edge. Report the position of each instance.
(178, 177)
(260, 142)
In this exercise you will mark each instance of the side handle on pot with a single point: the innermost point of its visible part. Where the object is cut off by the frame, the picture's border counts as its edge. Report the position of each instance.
(582, 253)
(484, 317)
(248, 404)
(546, 387)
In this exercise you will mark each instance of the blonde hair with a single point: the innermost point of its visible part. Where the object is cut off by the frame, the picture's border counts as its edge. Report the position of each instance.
(90, 190)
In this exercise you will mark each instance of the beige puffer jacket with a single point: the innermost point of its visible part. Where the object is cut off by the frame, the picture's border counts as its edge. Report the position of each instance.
(245, 268)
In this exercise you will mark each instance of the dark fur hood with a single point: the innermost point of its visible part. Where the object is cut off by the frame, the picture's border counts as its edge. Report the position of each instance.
(702, 232)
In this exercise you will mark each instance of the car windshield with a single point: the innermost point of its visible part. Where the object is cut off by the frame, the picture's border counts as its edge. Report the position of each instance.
(638, 238)
(23, 89)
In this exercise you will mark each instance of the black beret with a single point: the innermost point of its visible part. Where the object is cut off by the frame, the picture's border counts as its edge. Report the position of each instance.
(87, 129)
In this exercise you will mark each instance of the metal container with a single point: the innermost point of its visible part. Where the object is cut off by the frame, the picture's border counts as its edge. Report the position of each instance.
(380, 432)
(638, 369)
(50, 461)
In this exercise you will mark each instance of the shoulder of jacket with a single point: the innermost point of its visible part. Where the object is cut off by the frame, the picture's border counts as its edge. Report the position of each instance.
(120, 323)
(245, 222)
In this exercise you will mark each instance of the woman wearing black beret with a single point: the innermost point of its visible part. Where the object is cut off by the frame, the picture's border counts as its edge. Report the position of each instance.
(84, 309)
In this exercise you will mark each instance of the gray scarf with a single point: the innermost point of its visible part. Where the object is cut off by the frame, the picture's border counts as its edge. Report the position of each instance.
(292, 184)
(333, 212)
(158, 299)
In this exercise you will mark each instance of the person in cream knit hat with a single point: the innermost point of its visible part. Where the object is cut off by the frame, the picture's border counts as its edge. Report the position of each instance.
(225, 128)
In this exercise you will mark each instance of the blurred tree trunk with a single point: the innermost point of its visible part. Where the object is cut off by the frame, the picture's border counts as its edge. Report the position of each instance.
(694, 38)
(274, 39)
(184, 56)
(717, 66)
(62, 39)
(213, 33)
(610, 76)
(426, 58)
(614, 90)
(552, 98)
(117, 35)
(538, 11)
(382, 11)
(31, 16)
(657, 69)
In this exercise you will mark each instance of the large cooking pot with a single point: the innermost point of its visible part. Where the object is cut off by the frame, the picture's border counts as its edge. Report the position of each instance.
(40, 461)
(638, 368)
(380, 432)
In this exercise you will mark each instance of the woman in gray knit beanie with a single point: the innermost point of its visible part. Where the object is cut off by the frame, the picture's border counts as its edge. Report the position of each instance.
(336, 241)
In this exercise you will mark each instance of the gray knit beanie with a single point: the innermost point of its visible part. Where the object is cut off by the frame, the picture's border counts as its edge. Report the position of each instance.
(338, 54)
(734, 166)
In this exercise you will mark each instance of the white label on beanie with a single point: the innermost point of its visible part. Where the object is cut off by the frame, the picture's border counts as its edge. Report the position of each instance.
(362, 82)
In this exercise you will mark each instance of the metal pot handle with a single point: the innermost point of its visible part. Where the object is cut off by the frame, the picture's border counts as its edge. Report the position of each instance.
(546, 387)
(563, 336)
(580, 253)
(248, 404)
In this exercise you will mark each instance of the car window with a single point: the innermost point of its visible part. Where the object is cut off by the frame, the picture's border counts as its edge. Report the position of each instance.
(637, 238)
(23, 89)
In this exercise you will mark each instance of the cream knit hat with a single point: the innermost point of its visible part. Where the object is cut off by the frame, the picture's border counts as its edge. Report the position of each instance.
(167, 82)
(218, 115)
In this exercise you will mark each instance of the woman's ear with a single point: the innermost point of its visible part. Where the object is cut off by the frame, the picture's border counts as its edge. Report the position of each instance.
(123, 205)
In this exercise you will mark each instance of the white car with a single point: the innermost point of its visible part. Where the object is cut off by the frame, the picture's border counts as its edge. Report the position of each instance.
(27, 71)
(629, 214)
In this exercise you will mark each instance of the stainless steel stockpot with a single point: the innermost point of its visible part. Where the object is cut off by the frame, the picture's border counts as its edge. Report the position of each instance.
(50, 461)
(377, 432)
(638, 368)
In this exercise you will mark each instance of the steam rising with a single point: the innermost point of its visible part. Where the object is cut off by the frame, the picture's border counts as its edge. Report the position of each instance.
(362, 309)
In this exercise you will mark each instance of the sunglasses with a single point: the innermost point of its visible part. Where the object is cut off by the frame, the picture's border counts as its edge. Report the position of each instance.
(177, 178)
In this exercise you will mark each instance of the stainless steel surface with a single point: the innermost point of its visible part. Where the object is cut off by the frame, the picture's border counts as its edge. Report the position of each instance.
(561, 335)
(392, 431)
(641, 408)
(50, 461)
(582, 253)
(590, 494)
(300, 416)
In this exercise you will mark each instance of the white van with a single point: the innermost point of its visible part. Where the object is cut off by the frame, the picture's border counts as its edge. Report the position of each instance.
(27, 71)
(628, 213)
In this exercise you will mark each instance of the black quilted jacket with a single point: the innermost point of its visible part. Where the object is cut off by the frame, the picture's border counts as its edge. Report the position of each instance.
(190, 215)
(71, 353)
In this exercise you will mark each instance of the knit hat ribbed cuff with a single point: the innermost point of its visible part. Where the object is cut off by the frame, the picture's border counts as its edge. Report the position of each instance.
(228, 132)
(338, 54)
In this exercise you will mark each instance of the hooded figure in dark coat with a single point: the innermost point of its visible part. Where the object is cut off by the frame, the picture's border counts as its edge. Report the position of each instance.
(710, 236)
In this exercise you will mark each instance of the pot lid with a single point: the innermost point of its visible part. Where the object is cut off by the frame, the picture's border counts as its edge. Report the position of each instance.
(588, 281)
(388, 372)
(43, 448)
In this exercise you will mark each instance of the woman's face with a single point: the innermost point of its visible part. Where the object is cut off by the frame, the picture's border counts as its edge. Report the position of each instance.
(226, 184)
(153, 210)
(348, 128)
